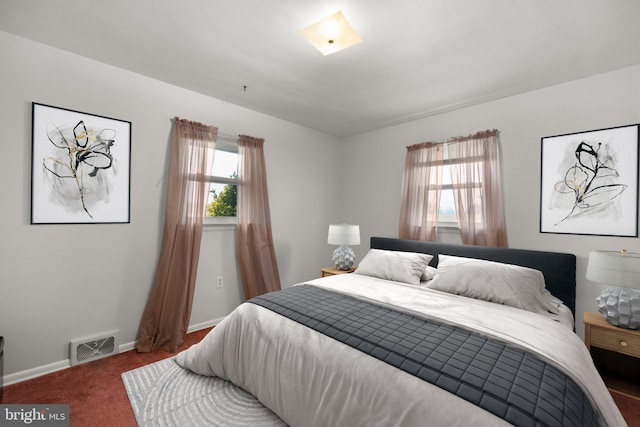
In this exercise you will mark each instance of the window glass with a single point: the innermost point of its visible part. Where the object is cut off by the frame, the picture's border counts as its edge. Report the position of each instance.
(447, 215)
(222, 172)
(447, 210)
(225, 162)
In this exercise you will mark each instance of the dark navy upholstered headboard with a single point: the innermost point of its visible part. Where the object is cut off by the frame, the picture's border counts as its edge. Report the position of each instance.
(559, 269)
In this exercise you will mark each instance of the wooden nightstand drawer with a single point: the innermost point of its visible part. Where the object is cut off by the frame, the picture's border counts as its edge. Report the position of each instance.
(331, 271)
(615, 341)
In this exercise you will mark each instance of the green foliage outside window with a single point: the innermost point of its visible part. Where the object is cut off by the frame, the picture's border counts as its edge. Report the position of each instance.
(225, 203)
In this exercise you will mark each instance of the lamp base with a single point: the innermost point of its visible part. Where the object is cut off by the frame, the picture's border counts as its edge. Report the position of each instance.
(620, 307)
(344, 258)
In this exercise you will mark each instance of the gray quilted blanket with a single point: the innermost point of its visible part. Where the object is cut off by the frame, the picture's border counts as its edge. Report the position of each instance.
(507, 381)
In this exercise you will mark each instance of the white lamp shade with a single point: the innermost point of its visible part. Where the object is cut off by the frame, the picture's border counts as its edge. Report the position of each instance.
(344, 234)
(617, 268)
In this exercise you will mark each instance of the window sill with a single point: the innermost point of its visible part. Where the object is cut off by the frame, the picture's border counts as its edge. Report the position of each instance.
(220, 223)
(448, 226)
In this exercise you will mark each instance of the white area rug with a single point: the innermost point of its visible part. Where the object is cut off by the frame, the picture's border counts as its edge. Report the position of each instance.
(165, 394)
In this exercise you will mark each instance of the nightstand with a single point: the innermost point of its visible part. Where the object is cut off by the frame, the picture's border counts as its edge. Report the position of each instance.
(330, 271)
(615, 352)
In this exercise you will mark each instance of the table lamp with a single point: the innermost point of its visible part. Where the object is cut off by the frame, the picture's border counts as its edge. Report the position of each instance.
(344, 235)
(620, 306)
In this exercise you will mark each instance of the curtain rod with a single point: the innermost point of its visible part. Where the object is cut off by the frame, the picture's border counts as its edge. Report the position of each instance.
(455, 140)
(426, 144)
(221, 136)
(226, 137)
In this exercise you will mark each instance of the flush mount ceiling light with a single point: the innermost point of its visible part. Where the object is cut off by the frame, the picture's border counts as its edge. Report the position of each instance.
(332, 34)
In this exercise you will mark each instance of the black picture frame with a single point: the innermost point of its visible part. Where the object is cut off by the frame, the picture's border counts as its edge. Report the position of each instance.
(589, 182)
(81, 167)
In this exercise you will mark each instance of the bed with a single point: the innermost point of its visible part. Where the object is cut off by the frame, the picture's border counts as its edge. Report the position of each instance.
(422, 333)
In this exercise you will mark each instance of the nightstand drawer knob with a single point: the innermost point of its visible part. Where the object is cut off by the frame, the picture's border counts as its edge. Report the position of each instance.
(623, 344)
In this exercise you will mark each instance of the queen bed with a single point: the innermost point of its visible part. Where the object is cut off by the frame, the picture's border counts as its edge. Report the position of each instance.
(421, 334)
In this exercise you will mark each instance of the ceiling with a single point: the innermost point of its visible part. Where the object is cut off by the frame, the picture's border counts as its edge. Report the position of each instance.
(418, 57)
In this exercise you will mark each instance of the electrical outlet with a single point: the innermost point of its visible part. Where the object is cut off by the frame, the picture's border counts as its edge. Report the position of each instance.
(219, 282)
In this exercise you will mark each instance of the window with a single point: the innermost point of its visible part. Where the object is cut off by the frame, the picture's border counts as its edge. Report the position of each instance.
(447, 215)
(472, 163)
(447, 210)
(222, 174)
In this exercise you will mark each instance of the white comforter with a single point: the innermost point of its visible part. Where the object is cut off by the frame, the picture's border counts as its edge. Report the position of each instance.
(308, 379)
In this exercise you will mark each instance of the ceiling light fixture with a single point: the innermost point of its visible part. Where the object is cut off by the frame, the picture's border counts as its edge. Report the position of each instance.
(331, 34)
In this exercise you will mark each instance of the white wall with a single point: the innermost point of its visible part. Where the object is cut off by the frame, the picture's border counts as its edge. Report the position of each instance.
(109, 268)
(60, 282)
(374, 162)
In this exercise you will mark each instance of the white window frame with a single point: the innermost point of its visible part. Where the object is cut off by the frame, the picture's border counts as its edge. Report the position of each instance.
(222, 221)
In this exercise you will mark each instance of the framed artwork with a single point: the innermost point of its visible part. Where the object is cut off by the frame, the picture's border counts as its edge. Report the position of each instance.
(589, 182)
(81, 167)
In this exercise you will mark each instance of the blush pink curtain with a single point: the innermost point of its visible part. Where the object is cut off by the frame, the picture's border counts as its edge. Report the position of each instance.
(474, 159)
(166, 317)
(421, 186)
(255, 249)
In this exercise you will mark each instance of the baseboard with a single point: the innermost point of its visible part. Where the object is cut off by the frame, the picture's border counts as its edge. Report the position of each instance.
(64, 364)
(192, 328)
(204, 325)
(36, 372)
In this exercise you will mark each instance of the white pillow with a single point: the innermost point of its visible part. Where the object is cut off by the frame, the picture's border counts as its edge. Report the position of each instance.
(428, 274)
(406, 267)
(506, 284)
